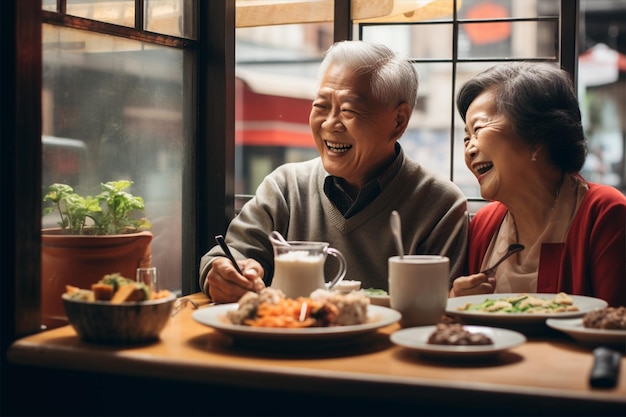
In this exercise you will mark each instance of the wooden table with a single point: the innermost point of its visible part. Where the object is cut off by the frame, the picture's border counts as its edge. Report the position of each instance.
(546, 375)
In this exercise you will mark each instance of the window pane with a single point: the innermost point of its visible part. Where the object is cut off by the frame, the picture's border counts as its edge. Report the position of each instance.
(462, 176)
(422, 41)
(427, 139)
(166, 16)
(112, 109)
(602, 91)
(276, 68)
(489, 31)
(402, 11)
(254, 13)
(50, 5)
(522, 39)
(119, 12)
(495, 9)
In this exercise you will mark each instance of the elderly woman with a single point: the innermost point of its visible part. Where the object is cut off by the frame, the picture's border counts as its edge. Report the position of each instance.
(525, 144)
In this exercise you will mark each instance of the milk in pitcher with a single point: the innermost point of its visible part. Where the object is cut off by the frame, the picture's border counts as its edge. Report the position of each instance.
(298, 273)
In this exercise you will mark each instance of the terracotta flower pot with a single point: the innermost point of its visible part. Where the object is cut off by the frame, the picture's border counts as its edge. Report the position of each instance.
(82, 260)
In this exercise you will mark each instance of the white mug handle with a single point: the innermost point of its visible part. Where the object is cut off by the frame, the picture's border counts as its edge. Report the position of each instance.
(342, 267)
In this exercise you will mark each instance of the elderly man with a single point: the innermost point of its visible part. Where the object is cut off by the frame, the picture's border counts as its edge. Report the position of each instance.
(345, 196)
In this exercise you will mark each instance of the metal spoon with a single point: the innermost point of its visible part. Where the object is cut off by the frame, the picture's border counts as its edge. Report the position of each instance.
(513, 248)
(396, 229)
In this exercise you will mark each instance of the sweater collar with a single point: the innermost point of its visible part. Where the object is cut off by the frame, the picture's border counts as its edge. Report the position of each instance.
(335, 191)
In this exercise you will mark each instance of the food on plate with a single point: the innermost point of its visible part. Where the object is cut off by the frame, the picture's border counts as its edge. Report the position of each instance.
(456, 334)
(374, 292)
(346, 286)
(270, 308)
(116, 289)
(377, 296)
(524, 303)
(613, 318)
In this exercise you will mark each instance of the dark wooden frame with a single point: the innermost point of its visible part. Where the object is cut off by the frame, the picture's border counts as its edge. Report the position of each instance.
(20, 142)
(209, 179)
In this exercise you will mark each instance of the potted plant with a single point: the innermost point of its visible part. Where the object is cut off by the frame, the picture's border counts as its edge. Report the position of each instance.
(97, 235)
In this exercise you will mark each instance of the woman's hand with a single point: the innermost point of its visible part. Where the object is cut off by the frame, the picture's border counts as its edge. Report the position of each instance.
(226, 285)
(473, 284)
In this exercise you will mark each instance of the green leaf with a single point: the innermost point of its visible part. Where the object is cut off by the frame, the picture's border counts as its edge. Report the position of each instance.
(113, 211)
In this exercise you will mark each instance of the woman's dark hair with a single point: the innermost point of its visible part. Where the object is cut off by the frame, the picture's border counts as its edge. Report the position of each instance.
(539, 101)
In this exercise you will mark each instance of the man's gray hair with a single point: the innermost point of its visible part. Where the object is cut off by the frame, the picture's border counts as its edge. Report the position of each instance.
(394, 79)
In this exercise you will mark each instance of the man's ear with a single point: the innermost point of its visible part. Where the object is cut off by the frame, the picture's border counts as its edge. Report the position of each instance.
(403, 114)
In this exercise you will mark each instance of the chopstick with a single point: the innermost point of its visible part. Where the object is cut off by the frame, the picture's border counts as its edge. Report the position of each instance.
(220, 240)
(457, 229)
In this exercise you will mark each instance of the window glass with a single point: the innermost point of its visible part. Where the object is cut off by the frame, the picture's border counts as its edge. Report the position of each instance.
(461, 174)
(513, 40)
(254, 13)
(166, 16)
(402, 38)
(277, 64)
(50, 5)
(402, 11)
(501, 9)
(276, 69)
(602, 91)
(113, 109)
(427, 139)
(119, 12)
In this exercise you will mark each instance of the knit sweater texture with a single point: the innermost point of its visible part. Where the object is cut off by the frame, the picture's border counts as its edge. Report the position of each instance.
(291, 200)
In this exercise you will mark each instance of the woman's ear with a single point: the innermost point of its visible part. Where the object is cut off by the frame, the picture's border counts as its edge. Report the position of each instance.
(535, 151)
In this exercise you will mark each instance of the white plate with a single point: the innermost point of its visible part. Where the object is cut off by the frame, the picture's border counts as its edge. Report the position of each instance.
(416, 338)
(584, 304)
(379, 300)
(215, 316)
(588, 336)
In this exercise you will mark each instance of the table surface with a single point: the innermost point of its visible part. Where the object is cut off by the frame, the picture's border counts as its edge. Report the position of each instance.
(549, 370)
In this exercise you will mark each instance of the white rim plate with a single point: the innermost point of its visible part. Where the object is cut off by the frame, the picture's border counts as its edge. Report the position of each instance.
(376, 299)
(585, 335)
(416, 338)
(215, 317)
(585, 304)
(379, 300)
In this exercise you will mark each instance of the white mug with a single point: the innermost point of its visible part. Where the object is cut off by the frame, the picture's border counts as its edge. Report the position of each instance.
(299, 267)
(418, 288)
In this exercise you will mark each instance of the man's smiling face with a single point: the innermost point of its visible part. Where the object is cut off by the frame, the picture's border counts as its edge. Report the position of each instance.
(354, 134)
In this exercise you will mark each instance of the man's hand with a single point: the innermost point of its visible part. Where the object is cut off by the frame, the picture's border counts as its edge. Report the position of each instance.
(226, 285)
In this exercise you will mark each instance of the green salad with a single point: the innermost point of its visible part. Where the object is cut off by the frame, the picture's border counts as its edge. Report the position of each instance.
(374, 292)
(524, 303)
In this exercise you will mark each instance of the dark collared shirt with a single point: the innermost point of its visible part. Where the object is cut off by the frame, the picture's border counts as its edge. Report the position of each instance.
(334, 188)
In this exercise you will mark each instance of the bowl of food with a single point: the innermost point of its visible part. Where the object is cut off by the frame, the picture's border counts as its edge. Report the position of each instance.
(128, 314)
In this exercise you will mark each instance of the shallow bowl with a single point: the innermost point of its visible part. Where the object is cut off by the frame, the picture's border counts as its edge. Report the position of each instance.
(119, 324)
(379, 300)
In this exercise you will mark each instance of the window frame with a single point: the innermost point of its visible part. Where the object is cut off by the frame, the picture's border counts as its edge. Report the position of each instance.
(567, 19)
(208, 196)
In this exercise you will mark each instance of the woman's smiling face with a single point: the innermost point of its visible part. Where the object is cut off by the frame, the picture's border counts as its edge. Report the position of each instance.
(493, 152)
(354, 134)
